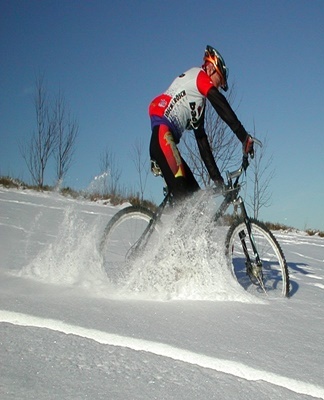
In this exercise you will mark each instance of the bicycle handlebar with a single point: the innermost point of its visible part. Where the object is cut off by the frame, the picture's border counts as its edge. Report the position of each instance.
(245, 163)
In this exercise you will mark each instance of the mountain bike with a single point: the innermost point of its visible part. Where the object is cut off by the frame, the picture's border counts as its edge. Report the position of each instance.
(254, 254)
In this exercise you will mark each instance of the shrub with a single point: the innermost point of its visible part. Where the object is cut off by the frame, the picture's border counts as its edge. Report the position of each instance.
(8, 182)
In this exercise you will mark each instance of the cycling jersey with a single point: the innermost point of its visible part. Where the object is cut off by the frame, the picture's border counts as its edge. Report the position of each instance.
(183, 103)
(181, 106)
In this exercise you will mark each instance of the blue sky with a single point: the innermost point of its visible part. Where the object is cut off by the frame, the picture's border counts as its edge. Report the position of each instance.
(111, 58)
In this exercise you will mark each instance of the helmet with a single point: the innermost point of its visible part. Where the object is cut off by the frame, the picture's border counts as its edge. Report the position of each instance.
(214, 57)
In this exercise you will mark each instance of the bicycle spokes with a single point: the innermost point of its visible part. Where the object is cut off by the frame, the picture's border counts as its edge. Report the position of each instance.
(257, 259)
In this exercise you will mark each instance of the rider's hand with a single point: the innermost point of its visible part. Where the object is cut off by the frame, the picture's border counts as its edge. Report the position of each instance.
(248, 146)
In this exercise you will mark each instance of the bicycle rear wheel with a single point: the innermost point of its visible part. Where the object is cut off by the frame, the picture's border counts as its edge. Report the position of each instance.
(274, 272)
(123, 238)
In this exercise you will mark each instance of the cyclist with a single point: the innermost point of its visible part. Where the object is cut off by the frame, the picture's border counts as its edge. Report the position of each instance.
(181, 107)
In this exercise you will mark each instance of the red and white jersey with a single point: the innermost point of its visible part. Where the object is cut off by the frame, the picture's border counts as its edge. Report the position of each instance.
(183, 103)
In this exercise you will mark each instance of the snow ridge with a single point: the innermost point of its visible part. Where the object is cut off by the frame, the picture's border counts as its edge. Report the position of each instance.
(221, 365)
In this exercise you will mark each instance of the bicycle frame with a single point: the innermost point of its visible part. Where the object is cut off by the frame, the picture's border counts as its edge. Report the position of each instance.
(231, 197)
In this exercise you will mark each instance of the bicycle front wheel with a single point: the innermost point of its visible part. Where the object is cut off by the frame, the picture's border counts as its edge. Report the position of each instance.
(123, 237)
(273, 277)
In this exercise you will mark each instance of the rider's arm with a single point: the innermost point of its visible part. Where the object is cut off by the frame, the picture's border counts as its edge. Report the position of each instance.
(224, 110)
(206, 153)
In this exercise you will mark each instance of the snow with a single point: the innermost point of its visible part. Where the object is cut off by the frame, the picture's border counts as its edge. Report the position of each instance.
(67, 332)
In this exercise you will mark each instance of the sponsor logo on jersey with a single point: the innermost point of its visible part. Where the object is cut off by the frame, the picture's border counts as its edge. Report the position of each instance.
(162, 103)
(195, 113)
(174, 101)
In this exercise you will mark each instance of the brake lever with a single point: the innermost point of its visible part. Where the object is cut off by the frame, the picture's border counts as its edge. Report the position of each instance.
(257, 141)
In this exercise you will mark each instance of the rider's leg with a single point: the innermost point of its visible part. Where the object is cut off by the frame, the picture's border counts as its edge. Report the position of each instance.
(176, 172)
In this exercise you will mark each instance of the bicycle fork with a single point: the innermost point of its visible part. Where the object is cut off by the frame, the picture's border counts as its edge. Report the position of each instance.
(253, 267)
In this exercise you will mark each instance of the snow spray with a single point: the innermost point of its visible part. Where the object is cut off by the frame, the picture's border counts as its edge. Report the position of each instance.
(72, 258)
(189, 260)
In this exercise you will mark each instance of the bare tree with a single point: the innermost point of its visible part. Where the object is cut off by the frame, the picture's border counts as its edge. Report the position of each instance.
(110, 173)
(261, 176)
(37, 153)
(223, 143)
(141, 165)
(66, 134)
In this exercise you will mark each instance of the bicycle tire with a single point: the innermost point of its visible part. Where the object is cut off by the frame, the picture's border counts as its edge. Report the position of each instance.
(275, 274)
(120, 236)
